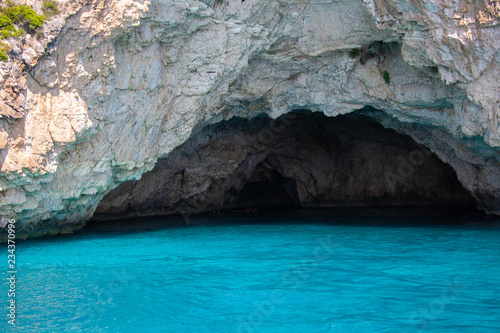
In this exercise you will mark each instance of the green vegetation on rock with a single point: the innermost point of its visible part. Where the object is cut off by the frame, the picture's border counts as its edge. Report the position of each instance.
(387, 78)
(49, 8)
(17, 15)
(22, 15)
(4, 48)
(354, 53)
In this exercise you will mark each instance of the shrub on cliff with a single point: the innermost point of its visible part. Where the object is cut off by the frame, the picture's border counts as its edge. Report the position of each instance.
(49, 8)
(22, 15)
(16, 15)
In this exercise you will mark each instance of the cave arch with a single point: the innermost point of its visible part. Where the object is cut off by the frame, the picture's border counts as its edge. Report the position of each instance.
(302, 159)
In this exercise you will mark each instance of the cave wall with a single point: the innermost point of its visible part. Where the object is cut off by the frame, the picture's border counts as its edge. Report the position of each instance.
(300, 159)
(112, 86)
(476, 164)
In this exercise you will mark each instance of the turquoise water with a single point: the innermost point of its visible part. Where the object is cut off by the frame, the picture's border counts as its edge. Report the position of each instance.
(299, 274)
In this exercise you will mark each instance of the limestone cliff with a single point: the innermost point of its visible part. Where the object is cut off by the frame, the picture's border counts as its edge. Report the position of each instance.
(111, 86)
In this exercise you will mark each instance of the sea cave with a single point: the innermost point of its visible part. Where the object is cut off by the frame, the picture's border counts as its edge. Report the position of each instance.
(229, 166)
(302, 160)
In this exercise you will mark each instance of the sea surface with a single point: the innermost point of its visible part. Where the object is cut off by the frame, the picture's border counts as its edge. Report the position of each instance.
(399, 270)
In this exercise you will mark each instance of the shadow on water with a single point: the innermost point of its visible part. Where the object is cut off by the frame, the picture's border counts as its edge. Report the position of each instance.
(393, 217)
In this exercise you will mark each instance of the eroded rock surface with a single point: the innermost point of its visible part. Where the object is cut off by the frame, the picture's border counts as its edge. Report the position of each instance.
(124, 82)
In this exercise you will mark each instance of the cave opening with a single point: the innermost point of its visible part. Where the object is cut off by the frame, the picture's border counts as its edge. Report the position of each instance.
(267, 188)
(302, 159)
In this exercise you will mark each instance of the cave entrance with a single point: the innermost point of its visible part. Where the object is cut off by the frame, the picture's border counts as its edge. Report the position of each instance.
(265, 189)
(302, 159)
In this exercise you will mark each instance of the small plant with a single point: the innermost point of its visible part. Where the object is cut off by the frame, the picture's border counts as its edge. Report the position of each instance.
(386, 77)
(50, 8)
(354, 53)
(4, 48)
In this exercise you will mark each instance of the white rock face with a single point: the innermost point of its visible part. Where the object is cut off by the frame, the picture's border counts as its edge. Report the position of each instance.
(124, 82)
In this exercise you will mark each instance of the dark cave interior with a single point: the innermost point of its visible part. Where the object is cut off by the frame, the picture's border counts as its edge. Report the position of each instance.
(302, 159)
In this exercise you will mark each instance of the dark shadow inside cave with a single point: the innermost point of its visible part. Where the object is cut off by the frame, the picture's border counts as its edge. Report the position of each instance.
(302, 159)
(267, 189)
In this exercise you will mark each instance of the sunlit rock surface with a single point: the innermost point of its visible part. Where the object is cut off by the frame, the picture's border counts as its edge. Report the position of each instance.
(110, 87)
